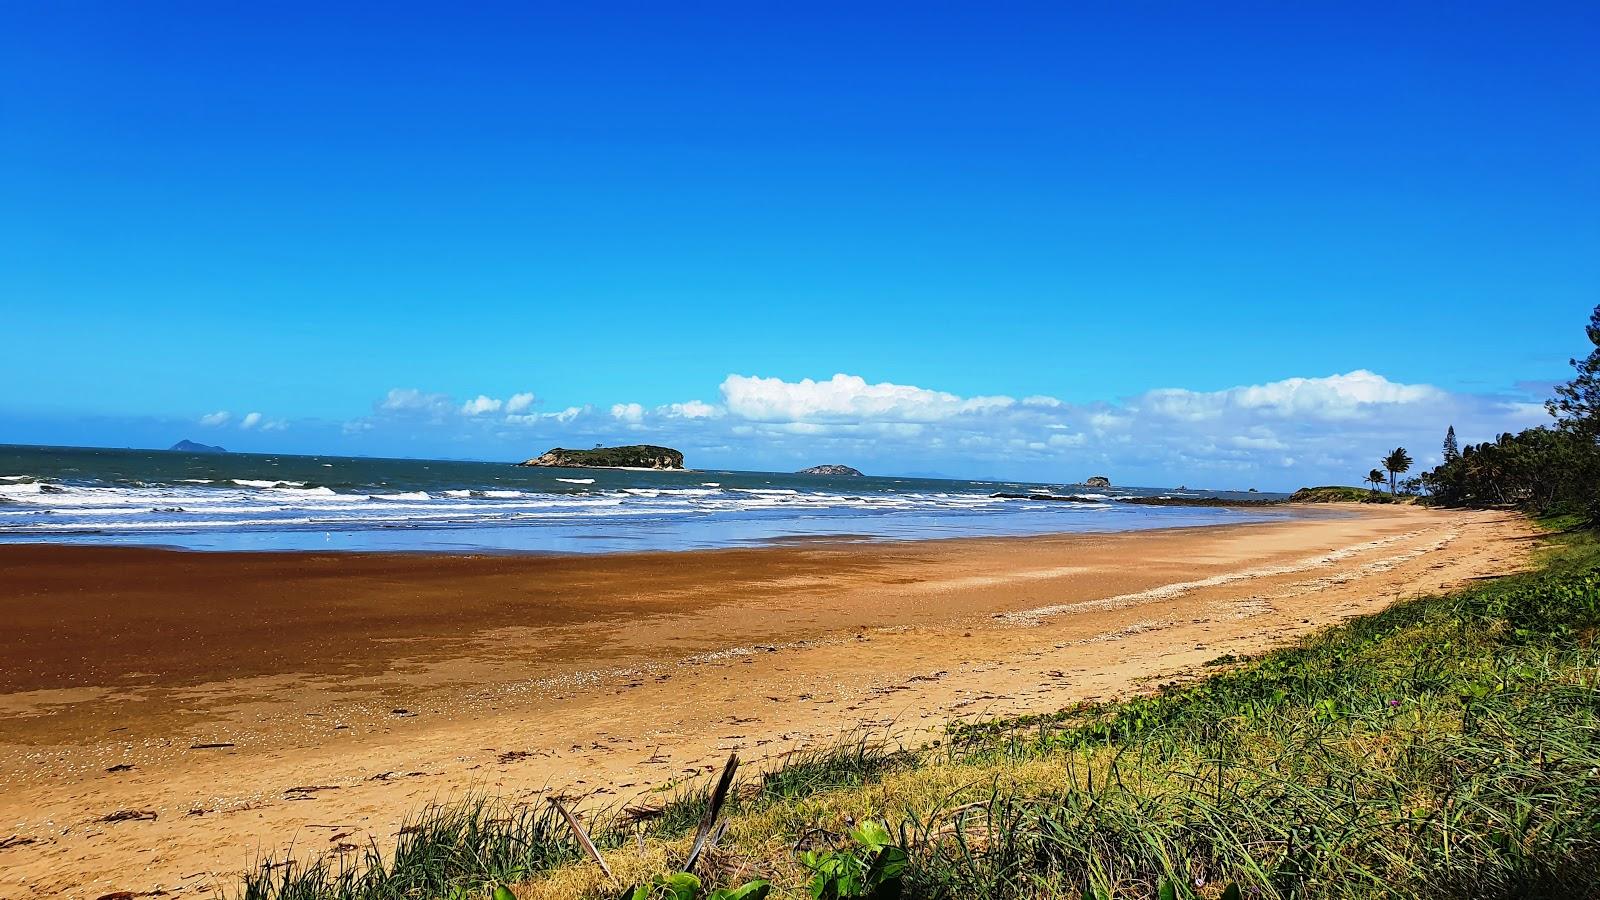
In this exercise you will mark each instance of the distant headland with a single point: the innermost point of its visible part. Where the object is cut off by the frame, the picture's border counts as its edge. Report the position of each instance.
(633, 456)
(188, 446)
(829, 470)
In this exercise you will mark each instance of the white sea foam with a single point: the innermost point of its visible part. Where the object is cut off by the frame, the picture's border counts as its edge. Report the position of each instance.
(720, 514)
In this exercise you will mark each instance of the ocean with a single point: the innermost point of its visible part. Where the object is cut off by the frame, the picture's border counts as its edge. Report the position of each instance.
(246, 501)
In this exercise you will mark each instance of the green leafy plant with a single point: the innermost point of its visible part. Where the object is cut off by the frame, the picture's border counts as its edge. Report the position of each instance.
(871, 867)
(687, 886)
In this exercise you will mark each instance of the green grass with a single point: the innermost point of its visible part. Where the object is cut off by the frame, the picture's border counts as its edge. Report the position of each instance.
(471, 844)
(1445, 747)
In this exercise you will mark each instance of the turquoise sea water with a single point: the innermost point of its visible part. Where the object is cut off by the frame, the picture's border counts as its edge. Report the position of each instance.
(261, 502)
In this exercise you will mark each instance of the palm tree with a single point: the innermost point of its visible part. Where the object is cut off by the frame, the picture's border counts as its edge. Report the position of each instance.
(1397, 463)
(1375, 478)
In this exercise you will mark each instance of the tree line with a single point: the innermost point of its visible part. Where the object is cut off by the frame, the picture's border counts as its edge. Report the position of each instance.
(1553, 469)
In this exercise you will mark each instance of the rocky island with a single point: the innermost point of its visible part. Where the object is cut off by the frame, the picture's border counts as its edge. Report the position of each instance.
(188, 446)
(633, 456)
(1097, 481)
(829, 470)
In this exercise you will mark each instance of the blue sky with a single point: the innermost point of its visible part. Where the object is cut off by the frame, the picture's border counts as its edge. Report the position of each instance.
(354, 221)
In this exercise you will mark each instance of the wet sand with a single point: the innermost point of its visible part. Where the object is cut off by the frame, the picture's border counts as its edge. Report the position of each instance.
(224, 681)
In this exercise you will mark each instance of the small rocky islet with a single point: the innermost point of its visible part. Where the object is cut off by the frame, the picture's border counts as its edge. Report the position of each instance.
(632, 456)
(830, 469)
(188, 446)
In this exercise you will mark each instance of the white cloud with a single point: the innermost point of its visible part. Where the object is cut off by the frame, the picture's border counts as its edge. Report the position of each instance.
(212, 420)
(845, 397)
(1332, 397)
(563, 417)
(694, 409)
(250, 420)
(410, 401)
(482, 405)
(1275, 434)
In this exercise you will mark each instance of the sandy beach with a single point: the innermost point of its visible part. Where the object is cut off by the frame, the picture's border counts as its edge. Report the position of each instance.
(235, 703)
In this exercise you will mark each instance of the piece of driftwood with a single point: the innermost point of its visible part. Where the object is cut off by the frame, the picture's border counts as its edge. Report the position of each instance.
(719, 796)
(582, 836)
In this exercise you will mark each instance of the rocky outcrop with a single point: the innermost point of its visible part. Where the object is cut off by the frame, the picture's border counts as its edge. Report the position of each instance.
(633, 456)
(1097, 481)
(829, 470)
(187, 446)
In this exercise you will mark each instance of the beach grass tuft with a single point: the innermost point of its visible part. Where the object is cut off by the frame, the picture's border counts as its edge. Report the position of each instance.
(446, 850)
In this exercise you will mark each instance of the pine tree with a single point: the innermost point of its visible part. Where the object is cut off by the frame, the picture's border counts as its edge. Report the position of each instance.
(1576, 404)
(1452, 451)
(1576, 407)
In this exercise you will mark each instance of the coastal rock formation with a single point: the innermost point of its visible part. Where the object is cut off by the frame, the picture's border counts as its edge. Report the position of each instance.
(1097, 481)
(829, 470)
(188, 446)
(633, 456)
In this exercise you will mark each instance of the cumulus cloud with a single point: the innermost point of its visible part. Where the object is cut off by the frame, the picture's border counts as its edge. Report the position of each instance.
(482, 405)
(411, 401)
(520, 402)
(213, 420)
(1335, 397)
(250, 420)
(694, 409)
(628, 412)
(845, 397)
(1309, 428)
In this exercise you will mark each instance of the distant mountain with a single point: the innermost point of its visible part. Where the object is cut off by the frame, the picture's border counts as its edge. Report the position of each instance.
(634, 456)
(829, 470)
(188, 446)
